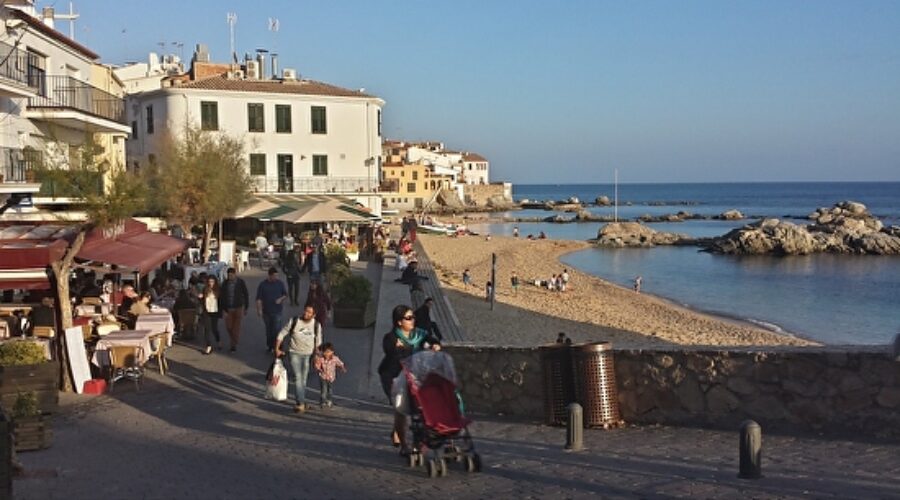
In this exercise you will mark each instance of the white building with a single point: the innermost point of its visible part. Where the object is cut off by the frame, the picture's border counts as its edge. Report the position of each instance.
(475, 169)
(301, 136)
(145, 76)
(54, 98)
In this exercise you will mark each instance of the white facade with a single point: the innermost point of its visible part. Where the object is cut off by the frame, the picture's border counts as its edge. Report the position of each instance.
(475, 170)
(347, 154)
(147, 76)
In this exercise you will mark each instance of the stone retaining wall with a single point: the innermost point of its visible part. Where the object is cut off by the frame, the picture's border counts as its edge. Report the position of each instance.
(830, 390)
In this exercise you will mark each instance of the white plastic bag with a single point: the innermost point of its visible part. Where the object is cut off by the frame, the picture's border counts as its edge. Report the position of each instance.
(400, 395)
(277, 385)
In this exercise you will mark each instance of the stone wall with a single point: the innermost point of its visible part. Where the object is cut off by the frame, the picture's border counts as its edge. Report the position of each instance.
(830, 390)
(480, 194)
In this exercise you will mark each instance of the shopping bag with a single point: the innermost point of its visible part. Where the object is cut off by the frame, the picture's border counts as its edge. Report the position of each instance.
(277, 384)
(400, 395)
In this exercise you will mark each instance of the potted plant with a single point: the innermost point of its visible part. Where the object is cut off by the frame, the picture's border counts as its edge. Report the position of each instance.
(335, 254)
(353, 252)
(30, 429)
(336, 274)
(352, 303)
(23, 367)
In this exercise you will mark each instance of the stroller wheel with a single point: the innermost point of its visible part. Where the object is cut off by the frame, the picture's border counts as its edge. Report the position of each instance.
(432, 468)
(413, 459)
(470, 463)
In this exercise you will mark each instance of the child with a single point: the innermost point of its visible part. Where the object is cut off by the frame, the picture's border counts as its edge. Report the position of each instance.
(488, 290)
(467, 278)
(637, 284)
(327, 364)
(514, 281)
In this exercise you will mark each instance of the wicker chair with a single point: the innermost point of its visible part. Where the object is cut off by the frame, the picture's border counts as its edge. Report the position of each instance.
(159, 343)
(91, 301)
(44, 332)
(124, 362)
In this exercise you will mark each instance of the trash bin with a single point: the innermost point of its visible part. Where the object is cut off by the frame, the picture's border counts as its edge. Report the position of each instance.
(559, 387)
(595, 384)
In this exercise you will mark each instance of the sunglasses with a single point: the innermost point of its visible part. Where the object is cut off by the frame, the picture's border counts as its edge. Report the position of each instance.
(409, 318)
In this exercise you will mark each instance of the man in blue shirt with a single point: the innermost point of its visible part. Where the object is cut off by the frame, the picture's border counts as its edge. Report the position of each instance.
(270, 295)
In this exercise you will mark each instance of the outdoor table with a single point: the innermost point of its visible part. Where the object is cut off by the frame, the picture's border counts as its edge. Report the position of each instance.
(157, 322)
(92, 310)
(136, 338)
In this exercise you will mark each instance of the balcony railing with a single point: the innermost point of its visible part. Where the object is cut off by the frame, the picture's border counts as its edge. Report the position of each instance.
(313, 185)
(14, 66)
(65, 92)
(18, 165)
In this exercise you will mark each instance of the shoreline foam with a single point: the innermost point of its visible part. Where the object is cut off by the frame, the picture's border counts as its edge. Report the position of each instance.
(592, 309)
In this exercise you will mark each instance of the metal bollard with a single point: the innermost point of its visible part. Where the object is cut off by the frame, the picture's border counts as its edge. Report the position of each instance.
(575, 428)
(750, 451)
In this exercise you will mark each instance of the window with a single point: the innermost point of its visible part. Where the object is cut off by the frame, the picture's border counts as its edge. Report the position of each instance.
(415, 175)
(320, 165)
(410, 187)
(36, 72)
(318, 120)
(209, 115)
(255, 117)
(283, 118)
(257, 164)
(379, 123)
(150, 119)
(134, 130)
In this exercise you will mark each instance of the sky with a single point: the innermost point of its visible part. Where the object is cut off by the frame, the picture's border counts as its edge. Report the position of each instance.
(562, 92)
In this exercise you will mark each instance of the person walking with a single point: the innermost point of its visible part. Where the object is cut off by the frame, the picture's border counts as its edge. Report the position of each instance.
(262, 247)
(304, 335)
(318, 299)
(209, 303)
(424, 321)
(514, 282)
(327, 364)
(315, 262)
(398, 344)
(637, 283)
(412, 225)
(234, 303)
(270, 295)
(292, 273)
(467, 278)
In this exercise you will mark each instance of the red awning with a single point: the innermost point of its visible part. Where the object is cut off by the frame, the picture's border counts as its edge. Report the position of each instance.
(23, 263)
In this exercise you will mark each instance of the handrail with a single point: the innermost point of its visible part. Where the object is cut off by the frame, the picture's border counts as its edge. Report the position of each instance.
(14, 64)
(315, 184)
(67, 92)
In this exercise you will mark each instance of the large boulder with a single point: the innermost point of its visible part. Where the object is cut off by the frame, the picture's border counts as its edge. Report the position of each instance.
(633, 234)
(603, 201)
(767, 236)
(449, 200)
(731, 215)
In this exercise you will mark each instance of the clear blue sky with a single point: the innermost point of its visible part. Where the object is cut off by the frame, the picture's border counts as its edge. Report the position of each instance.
(665, 91)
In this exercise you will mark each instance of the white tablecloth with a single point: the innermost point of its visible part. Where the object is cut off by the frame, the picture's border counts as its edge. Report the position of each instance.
(157, 322)
(137, 338)
(91, 310)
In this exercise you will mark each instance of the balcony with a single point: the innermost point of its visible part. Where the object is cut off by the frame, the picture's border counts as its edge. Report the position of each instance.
(15, 172)
(72, 103)
(14, 80)
(314, 185)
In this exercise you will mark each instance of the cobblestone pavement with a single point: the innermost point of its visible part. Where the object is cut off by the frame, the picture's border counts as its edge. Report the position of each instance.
(205, 431)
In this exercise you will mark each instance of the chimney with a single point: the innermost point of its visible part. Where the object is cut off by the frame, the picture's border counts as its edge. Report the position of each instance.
(47, 14)
(261, 59)
(274, 65)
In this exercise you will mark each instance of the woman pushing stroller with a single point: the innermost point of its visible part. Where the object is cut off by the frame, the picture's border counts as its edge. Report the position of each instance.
(398, 344)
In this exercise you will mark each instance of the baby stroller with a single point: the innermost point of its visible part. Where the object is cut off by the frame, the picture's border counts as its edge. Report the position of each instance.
(439, 427)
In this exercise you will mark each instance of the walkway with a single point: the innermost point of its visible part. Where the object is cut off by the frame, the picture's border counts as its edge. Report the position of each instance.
(206, 432)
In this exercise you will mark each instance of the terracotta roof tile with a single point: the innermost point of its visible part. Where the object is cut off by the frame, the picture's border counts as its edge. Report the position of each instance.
(303, 87)
(474, 157)
(38, 25)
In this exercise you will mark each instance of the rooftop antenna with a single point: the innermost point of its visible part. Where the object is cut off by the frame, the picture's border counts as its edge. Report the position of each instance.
(231, 18)
(162, 48)
(273, 27)
(180, 47)
(71, 17)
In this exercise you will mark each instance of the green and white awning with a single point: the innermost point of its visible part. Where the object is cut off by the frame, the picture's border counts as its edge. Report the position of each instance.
(305, 209)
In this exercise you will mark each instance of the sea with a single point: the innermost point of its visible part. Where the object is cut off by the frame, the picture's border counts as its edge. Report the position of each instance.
(833, 299)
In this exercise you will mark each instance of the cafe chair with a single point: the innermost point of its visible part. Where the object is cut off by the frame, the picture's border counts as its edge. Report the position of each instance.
(44, 332)
(91, 301)
(107, 328)
(159, 344)
(87, 332)
(124, 362)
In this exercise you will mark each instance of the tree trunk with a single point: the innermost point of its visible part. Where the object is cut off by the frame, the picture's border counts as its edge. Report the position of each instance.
(207, 234)
(61, 270)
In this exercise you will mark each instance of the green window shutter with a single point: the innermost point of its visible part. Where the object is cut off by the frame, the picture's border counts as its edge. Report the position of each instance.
(257, 164)
(255, 117)
(320, 165)
(319, 125)
(209, 115)
(283, 118)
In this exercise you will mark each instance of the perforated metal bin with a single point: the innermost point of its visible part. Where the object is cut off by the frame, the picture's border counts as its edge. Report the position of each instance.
(595, 384)
(559, 388)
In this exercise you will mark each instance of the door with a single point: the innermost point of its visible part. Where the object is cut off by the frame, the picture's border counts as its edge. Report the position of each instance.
(285, 173)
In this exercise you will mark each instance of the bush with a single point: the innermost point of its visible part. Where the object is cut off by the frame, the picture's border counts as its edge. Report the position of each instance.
(336, 274)
(334, 255)
(26, 405)
(353, 291)
(353, 248)
(19, 353)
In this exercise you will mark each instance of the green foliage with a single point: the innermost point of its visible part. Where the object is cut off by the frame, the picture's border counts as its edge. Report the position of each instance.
(19, 353)
(199, 177)
(335, 254)
(354, 291)
(26, 405)
(337, 273)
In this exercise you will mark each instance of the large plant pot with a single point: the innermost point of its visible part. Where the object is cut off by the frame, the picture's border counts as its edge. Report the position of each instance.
(42, 378)
(32, 433)
(353, 257)
(354, 317)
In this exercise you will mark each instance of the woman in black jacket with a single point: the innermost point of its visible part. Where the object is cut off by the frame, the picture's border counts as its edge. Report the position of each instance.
(398, 344)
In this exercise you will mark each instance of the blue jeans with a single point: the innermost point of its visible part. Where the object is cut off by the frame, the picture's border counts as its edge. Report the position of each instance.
(300, 367)
(326, 389)
(273, 326)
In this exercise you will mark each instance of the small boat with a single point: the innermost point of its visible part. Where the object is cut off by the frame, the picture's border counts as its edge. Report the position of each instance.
(435, 229)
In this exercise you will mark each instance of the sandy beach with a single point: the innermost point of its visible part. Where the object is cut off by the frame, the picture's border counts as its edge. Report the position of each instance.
(591, 309)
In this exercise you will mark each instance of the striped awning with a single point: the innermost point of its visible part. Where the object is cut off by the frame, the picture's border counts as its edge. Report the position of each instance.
(305, 209)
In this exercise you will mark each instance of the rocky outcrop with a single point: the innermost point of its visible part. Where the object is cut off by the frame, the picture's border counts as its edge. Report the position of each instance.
(499, 203)
(848, 228)
(633, 234)
(730, 215)
(449, 201)
(603, 201)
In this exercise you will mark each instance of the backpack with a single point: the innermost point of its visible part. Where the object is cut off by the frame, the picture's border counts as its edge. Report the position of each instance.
(315, 327)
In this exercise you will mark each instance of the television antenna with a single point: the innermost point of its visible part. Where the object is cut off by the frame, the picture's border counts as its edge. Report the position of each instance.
(180, 47)
(231, 19)
(274, 24)
(71, 17)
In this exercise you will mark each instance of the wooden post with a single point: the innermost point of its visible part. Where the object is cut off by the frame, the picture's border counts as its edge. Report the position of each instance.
(493, 278)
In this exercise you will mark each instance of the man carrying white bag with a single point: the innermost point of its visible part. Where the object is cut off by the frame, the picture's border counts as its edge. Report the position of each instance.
(277, 385)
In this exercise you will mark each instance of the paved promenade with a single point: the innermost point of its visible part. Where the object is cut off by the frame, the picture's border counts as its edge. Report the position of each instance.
(206, 432)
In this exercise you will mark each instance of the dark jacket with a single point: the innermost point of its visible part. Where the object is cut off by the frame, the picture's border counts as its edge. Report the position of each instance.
(390, 366)
(291, 265)
(307, 266)
(233, 295)
(423, 321)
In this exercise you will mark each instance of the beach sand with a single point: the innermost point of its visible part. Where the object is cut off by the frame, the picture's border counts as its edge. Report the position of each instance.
(590, 309)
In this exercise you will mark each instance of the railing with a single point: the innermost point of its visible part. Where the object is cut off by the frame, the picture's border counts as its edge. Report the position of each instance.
(14, 65)
(69, 93)
(315, 184)
(12, 165)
